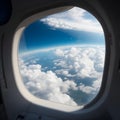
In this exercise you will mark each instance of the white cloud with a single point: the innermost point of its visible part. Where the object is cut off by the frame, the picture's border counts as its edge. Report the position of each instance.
(86, 62)
(71, 63)
(86, 89)
(59, 52)
(46, 85)
(74, 19)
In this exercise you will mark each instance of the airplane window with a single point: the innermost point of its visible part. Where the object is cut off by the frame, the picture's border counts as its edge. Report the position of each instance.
(61, 57)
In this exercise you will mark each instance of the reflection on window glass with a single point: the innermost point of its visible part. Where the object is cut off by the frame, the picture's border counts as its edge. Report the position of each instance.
(61, 57)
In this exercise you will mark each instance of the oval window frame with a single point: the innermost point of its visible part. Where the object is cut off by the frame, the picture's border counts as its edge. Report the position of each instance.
(54, 106)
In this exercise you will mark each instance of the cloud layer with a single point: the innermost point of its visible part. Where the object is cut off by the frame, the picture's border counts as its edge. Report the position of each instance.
(69, 64)
(74, 19)
(46, 85)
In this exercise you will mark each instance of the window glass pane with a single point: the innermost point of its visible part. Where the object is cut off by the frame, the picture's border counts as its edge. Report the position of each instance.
(61, 57)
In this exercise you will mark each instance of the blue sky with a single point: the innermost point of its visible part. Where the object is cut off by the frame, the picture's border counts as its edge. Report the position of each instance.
(73, 27)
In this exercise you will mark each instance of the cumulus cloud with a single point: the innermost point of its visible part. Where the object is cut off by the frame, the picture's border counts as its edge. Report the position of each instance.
(46, 85)
(74, 19)
(86, 89)
(70, 64)
(59, 52)
(82, 63)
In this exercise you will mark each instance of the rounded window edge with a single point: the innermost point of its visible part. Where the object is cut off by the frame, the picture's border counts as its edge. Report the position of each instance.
(24, 92)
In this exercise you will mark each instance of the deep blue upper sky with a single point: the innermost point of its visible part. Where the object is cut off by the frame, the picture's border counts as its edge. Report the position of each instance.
(39, 35)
